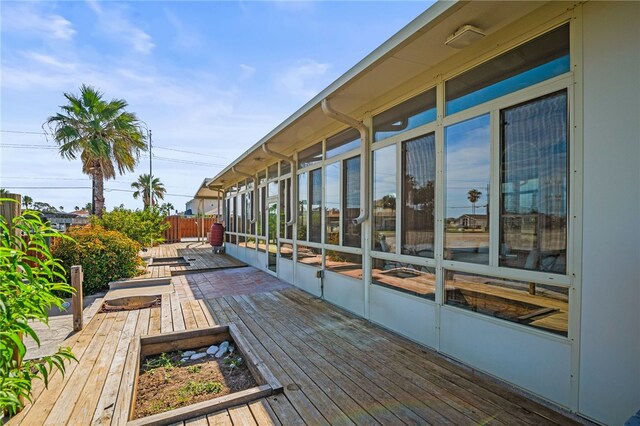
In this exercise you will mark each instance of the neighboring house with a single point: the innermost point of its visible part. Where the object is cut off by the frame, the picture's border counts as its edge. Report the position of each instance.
(536, 101)
(196, 206)
(81, 217)
(472, 221)
(59, 220)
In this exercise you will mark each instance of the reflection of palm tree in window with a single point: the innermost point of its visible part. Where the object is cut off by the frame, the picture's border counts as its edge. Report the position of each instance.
(474, 196)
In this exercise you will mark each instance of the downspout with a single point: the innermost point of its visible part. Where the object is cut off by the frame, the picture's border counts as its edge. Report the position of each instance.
(254, 204)
(294, 181)
(364, 155)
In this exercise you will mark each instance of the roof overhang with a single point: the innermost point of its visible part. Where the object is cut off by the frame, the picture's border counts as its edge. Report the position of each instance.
(207, 190)
(414, 50)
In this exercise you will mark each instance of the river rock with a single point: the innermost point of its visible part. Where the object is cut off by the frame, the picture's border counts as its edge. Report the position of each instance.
(213, 349)
(224, 346)
(188, 354)
(198, 356)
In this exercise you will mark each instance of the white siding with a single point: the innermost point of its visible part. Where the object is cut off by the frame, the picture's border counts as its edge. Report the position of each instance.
(610, 329)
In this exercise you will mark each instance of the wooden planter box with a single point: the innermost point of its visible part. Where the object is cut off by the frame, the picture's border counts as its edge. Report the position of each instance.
(184, 340)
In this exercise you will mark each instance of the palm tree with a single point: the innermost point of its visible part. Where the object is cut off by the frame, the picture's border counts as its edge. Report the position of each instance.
(473, 195)
(103, 134)
(146, 181)
(76, 208)
(27, 202)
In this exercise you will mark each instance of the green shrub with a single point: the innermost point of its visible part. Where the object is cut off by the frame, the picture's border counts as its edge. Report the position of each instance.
(142, 226)
(104, 255)
(30, 278)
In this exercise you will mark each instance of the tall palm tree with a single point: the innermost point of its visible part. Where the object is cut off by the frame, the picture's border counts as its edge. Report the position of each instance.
(27, 202)
(473, 196)
(105, 136)
(148, 184)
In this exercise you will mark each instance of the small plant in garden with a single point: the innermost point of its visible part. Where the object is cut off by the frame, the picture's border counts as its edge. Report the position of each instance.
(163, 361)
(31, 281)
(104, 255)
(233, 361)
(199, 388)
(194, 369)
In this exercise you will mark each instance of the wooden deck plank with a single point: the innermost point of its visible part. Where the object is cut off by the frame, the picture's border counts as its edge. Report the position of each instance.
(207, 313)
(79, 343)
(66, 398)
(365, 377)
(221, 418)
(418, 368)
(200, 318)
(302, 404)
(154, 321)
(241, 416)
(142, 326)
(104, 408)
(284, 410)
(197, 421)
(176, 313)
(263, 414)
(294, 374)
(351, 398)
(166, 324)
(187, 313)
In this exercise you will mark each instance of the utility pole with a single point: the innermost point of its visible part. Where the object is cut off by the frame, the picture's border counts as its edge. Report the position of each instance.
(150, 173)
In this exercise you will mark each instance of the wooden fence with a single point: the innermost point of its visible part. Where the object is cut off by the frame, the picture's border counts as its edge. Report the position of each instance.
(186, 227)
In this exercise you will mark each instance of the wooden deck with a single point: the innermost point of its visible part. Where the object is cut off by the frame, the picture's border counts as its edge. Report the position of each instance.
(199, 255)
(335, 368)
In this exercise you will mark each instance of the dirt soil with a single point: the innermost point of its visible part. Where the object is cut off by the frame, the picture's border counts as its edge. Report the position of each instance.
(177, 384)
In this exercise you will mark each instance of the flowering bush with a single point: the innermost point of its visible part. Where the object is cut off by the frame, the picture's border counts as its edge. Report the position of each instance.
(104, 255)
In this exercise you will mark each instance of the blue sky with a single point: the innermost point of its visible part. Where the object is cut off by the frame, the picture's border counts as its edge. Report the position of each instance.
(207, 77)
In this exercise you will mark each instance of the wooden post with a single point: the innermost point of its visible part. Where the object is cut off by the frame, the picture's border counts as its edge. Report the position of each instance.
(76, 300)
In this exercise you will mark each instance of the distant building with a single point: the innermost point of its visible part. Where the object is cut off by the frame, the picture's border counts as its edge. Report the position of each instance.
(472, 221)
(195, 207)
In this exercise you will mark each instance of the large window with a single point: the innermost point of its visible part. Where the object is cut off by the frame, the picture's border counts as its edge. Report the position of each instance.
(315, 203)
(412, 279)
(351, 201)
(408, 115)
(418, 195)
(332, 203)
(310, 156)
(384, 199)
(303, 206)
(342, 142)
(540, 59)
(467, 170)
(533, 206)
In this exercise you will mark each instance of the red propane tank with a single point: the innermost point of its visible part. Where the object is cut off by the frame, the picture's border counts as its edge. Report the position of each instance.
(216, 235)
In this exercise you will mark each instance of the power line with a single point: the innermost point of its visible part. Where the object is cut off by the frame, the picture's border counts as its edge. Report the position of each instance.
(88, 187)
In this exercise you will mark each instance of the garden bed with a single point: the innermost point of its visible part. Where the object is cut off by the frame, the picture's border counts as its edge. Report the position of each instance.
(165, 387)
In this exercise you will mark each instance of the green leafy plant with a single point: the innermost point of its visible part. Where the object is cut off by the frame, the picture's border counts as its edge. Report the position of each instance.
(141, 226)
(233, 362)
(104, 255)
(162, 361)
(31, 280)
(199, 388)
(194, 369)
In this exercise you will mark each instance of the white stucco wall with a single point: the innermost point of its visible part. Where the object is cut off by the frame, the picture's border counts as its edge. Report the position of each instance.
(610, 329)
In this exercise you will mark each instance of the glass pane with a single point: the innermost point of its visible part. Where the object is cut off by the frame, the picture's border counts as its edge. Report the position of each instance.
(251, 227)
(332, 203)
(286, 250)
(351, 196)
(262, 245)
(342, 142)
(272, 238)
(533, 208)
(240, 213)
(467, 164)
(262, 177)
(261, 211)
(309, 156)
(310, 255)
(233, 239)
(303, 206)
(285, 168)
(418, 195)
(410, 114)
(541, 59)
(287, 215)
(272, 188)
(384, 199)
(413, 279)
(541, 306)
(272, 171)
(315, 201)
(283, 208)
(251, 242)
(348, 264)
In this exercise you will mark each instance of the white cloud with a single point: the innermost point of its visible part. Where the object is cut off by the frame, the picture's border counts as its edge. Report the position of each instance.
(304, 80)
(25, 19)
(49, 60)
(114, 22)
(185, 38)
(246, 72)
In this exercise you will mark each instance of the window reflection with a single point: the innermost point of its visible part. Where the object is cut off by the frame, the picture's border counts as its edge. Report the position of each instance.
(384, 199)
(533, 220)
(418, 195)
(351, 201)
(541, 306)
(303, 206)
(413, 279)
(348, 264)
(342, 142)
(286, 250)
(309, 156)
(467, 161)
(309, 255)
(408, 115)
(332, 203)
(315, 200)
